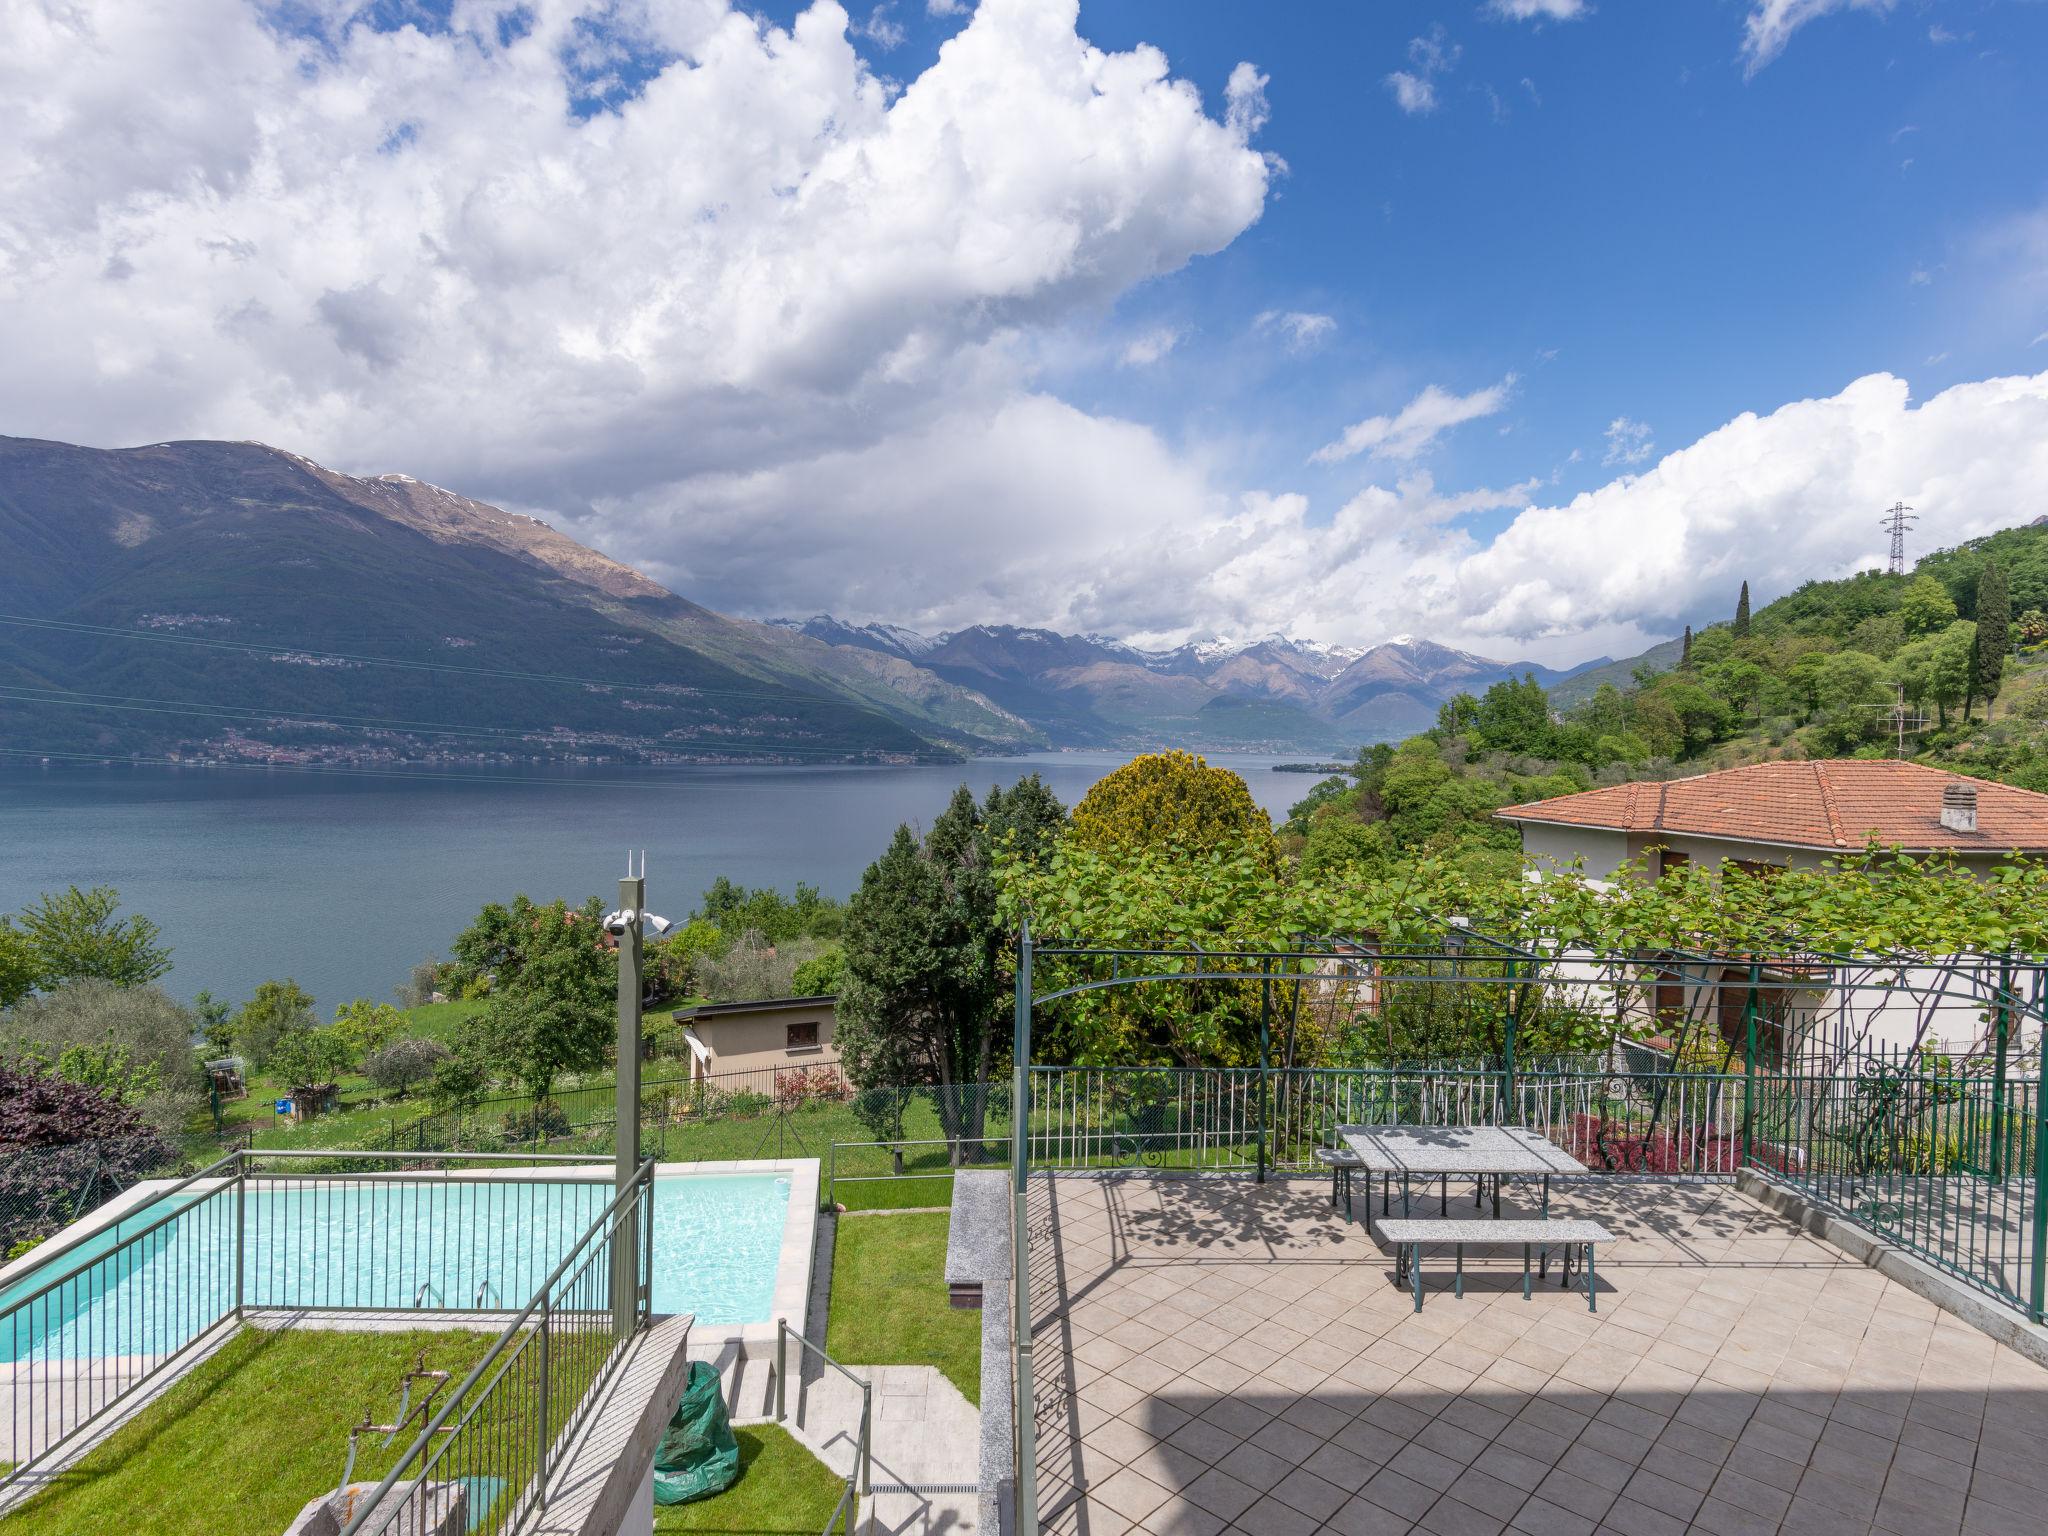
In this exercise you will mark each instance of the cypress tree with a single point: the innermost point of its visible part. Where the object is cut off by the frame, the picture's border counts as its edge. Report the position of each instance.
(1685, 649)
(1742, 613)
(1994, 616)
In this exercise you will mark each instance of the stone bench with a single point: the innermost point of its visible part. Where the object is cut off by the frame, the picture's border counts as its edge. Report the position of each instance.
(1408, 1234)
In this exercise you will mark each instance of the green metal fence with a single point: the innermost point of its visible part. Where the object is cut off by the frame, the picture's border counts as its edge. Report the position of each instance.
(1940, 1158)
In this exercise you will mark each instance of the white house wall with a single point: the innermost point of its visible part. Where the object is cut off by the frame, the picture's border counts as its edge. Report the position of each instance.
(1923, 1005)
(1603, 850)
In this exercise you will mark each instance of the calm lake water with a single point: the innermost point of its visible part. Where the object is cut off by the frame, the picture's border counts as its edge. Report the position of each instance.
(342, 881)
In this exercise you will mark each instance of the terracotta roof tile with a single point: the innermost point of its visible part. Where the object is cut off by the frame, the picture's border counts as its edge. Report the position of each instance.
(1835, 804)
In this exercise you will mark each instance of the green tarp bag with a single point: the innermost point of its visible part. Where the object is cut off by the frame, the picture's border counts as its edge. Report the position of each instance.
(698, 1455)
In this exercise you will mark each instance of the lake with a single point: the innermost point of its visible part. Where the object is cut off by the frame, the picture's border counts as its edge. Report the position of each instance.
(342, 880)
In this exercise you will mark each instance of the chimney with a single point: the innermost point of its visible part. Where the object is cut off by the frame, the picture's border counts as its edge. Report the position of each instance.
(1959, 806)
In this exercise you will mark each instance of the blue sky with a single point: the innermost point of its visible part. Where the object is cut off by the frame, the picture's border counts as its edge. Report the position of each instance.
(1537, 326)
(1612, 208)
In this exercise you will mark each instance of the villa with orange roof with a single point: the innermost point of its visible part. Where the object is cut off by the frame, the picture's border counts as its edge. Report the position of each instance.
(1795, 815)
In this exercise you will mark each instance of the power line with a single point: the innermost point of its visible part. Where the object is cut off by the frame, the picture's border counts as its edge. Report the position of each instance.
(275, 649)
(22, 693)
(429, 776)
(1898, 520)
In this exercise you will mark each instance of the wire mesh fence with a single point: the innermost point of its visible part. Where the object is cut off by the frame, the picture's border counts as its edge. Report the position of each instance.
(44, 1189)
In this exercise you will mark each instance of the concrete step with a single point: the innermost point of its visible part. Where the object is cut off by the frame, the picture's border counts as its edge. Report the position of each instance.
(918, 1514)
(749, 1388)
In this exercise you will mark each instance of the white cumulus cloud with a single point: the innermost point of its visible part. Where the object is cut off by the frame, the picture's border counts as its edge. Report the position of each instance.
(1770, 24)
(1413, 429)
(1774, 500)
(632, 299)
(1538, 10)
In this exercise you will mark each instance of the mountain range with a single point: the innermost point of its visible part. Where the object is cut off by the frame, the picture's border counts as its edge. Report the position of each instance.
(235, 601)
(1090, 690)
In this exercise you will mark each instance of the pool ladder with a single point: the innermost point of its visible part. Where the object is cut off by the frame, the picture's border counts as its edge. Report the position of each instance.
(484, 1285)
(427, 1287)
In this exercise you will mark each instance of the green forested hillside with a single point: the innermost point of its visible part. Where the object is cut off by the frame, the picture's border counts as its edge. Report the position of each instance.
(1953, 651)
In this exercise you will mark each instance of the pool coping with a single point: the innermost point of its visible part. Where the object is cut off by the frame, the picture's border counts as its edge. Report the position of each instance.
(790, 1298)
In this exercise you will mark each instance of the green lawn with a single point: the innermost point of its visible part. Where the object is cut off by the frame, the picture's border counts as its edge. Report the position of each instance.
(889, 1302)
(244, 1440)
(362, 1116)
(782, 1488)
(438, 1021)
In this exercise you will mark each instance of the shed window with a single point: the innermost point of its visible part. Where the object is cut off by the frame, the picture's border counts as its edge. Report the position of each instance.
(803, 1037)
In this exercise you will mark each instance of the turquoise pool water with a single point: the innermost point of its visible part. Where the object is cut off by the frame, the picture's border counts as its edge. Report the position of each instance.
(716, 1244)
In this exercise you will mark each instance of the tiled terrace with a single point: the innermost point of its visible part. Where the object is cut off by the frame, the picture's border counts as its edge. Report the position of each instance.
(1213, 1356)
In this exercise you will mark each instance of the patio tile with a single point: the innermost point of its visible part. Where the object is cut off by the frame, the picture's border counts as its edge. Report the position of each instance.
(1747, 1493)
(1539, 1517)
(1254, 1467)
(1129, 1494)
(1368, 1441)
(1568, 1491)
(1739, 1376)
(1487, 1493)
(1451, 1442)
(1403, 1495)
(1220, 1494)
(1268, 1518)
(1238, 1414)
(1205, 1439)
(1177, 1517)
(1595, 1466)
(1169, 1466)
(1288, 1441)
(1449, 1517)
(1361, 1517)
(1303, 1490)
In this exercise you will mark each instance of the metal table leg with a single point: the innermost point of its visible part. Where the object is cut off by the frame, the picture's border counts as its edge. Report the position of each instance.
(1591, 1304)
(1415, 1272)
(1458, 1286)
(1525, 1271)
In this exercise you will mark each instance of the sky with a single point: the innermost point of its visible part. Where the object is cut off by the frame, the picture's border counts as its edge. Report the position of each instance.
(1534, 327)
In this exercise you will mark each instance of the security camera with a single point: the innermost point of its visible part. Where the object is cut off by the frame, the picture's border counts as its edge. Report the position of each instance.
(660, 925)
(618, 923)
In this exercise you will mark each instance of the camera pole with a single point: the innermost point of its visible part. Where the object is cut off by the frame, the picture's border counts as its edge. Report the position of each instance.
(626, 1132)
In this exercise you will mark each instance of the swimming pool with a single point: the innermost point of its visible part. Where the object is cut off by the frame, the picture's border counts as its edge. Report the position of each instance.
(452, 1244)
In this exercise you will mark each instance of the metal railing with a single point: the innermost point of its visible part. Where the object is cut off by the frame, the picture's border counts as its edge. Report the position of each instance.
(493, 1436)
(93, 1324)
(859, 1482)
(83, 1331)
(1232, 1119)
(1945, 1159)
(1945, 1165)
(850, 1166)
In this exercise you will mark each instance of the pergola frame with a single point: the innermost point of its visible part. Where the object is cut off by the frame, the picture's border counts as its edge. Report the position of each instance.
(1989, 981)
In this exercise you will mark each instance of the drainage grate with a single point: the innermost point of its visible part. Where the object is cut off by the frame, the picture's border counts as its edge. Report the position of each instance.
(927, 1488)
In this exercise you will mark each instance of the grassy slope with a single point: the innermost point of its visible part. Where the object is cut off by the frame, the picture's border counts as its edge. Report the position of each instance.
(245, 1440)
(889, 1300)
(782, 1487)
(361, 1118)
